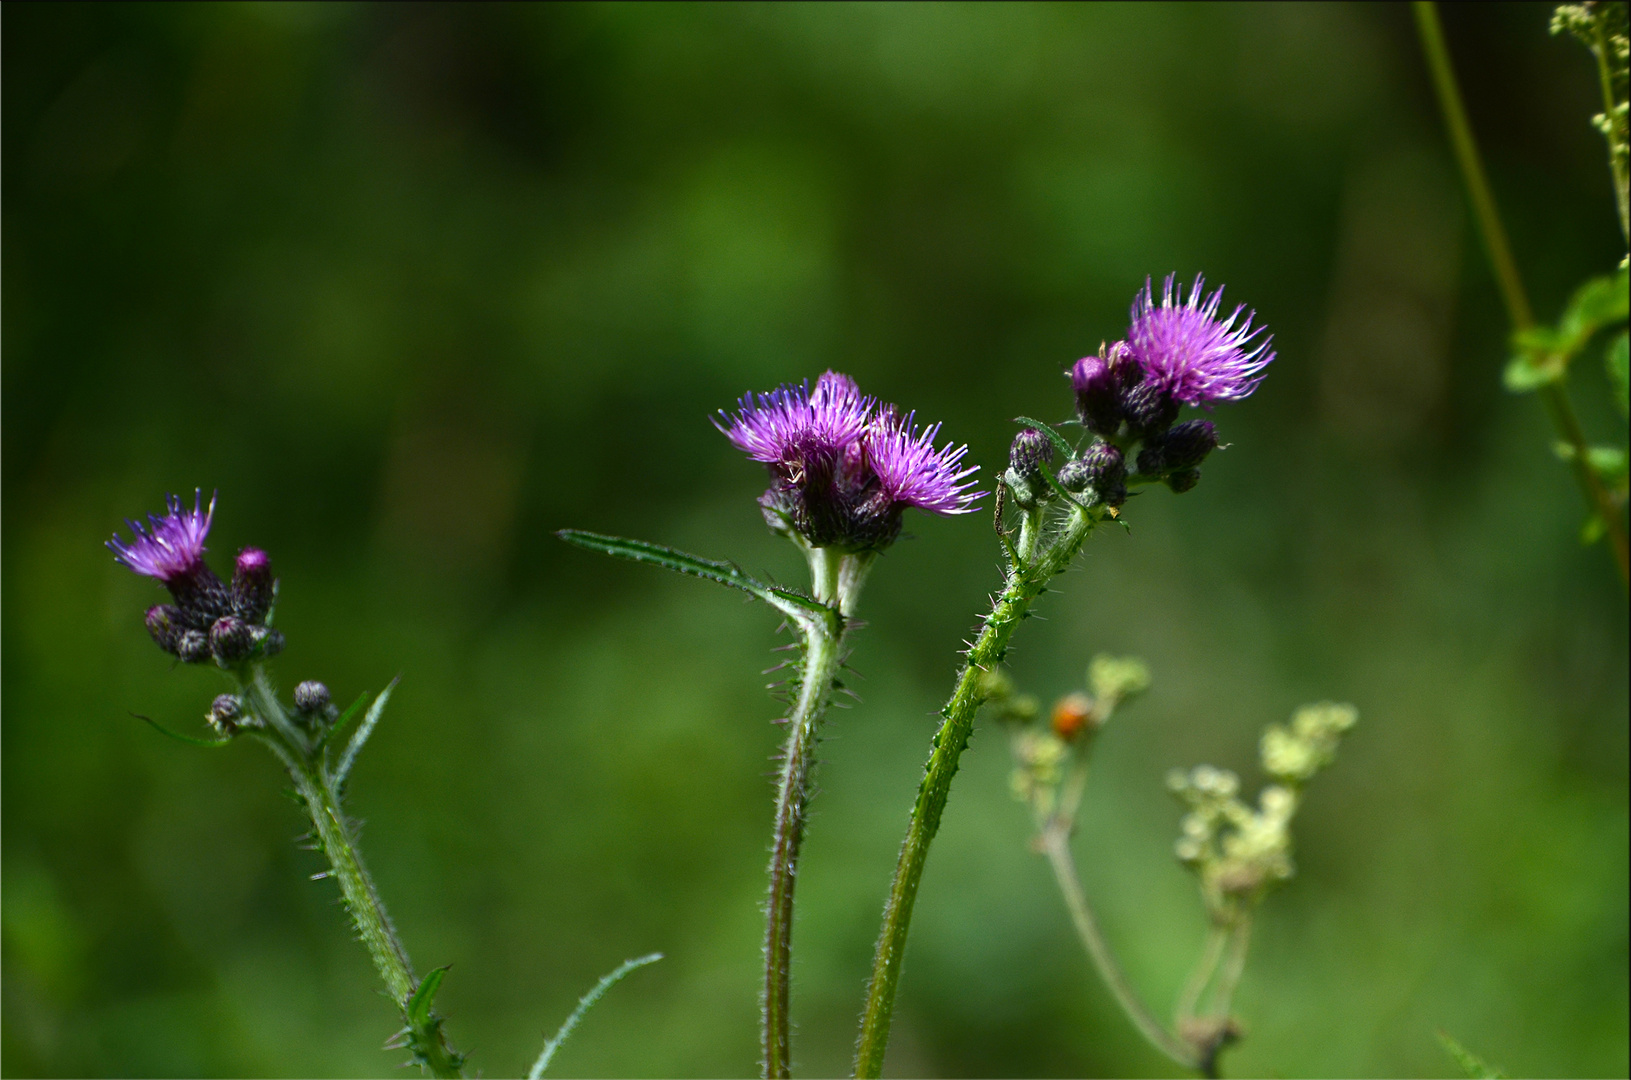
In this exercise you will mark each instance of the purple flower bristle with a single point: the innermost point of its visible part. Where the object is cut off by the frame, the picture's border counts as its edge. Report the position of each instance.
(1191, 354)
(171, 547)
(911, 472)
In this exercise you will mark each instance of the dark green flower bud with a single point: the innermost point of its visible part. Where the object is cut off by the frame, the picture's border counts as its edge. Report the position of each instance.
(192, 646)
(1102, 468)
(311, 696)
(231, 640)
(1030, 450)
(1150, 410)
(1183, 447)
(224, 714)
(1183, 480)
(164, 623)
(267, 642)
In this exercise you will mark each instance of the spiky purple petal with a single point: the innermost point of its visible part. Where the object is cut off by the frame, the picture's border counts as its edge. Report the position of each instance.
(793, 421)
(170, 548)
(911, 472)
(1187, 351)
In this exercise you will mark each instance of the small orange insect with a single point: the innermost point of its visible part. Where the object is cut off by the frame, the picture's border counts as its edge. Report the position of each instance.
(1071, 716)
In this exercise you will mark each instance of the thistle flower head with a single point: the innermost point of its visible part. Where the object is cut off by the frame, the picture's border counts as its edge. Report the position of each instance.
(911, 472)
(170, 548)
(843, 469)
(793, 423)
(1191, 354)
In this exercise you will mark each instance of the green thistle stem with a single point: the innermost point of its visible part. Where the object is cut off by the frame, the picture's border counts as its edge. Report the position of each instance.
(309, 770)
(1038, 563)
(837, 580)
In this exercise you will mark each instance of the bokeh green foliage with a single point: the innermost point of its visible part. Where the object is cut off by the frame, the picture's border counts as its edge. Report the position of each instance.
(414, 286)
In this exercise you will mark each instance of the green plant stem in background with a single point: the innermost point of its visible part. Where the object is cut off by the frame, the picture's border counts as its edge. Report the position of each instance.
(1056, 845)
(1026, 580)
(317, 785)
(1554, 395)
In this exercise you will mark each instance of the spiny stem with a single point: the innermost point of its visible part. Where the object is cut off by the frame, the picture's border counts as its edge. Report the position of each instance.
(308, 769)
(1554, 395)
(1026, 581)
(836, 578)
(1056, 844)
(821, 661)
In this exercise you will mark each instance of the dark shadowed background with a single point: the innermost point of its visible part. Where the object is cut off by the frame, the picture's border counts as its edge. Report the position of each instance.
(414, 286)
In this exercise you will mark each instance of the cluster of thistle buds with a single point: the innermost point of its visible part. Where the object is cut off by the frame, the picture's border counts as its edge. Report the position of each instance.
(1128, 396)
(210, 619)
(1240, 853)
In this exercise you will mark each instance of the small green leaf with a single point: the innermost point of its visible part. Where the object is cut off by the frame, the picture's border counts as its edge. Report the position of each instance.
(354, 747)
(418, 1006)
(1617, 361)
(1523, 373)
(584, 1005)
(1060, 443)
(788, 601)
(1592, 530)
(1474, 1066)
(180, 737)
(1600, 302)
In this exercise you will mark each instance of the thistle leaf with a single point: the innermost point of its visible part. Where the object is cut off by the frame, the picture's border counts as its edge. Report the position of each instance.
(418, 1006)
(1474, 1066)
(793, 604)
(345, 718)
(176, 735)
(1060, 443)
(354, 747)
(584, 1005)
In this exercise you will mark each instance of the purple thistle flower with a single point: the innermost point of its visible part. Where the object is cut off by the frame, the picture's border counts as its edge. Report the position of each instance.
(787, 425)
(911, 472)
(1186, 351)
(843, 469)
(171, 548)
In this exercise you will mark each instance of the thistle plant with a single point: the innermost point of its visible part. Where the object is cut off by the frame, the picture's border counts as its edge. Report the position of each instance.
(1543, 354)
(229, 626)
(1237, 852)
(1178, 351)
(843, 471)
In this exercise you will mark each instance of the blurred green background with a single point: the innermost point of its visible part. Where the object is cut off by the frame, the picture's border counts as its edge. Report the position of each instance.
(414, 286)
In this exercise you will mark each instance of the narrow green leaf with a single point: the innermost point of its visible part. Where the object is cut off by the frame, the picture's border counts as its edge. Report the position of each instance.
(418, 1007)
(354, 747)
(345, 718)
(1474, 1066)
(1060, 443)
(584, 1005)
(1618, 361)
(176, 735)
(788, 601)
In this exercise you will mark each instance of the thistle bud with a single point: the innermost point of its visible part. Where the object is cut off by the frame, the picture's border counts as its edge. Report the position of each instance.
(1101, 468)
(193, 647)
(164, 623)
(1149, 409)
(1183, 447)
(1100, 383)
(311, 696)
(1031, 450)
(253, 587)
(225, 713)
(231, 640)
(267, 642)
(1183, 480)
